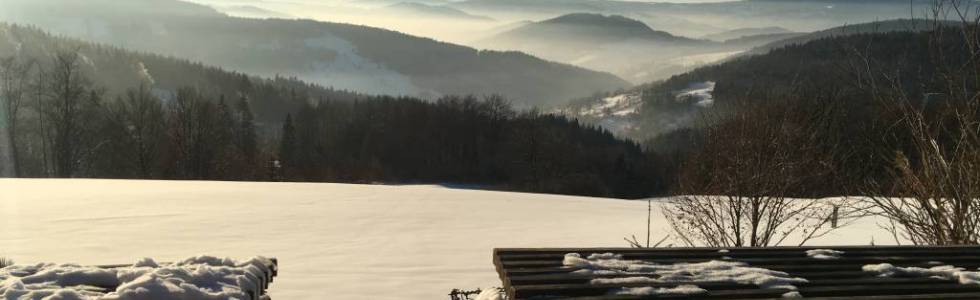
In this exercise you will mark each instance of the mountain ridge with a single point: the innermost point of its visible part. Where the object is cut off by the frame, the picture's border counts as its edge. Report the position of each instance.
(592, 26)
(344, 56)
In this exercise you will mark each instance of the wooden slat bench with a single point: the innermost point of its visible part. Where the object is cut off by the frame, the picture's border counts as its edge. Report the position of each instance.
(541, 274)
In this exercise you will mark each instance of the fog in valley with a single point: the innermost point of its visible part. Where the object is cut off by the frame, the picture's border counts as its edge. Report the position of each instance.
(639, 41)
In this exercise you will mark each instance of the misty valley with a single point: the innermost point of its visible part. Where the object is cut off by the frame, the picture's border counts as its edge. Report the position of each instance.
(380, 149)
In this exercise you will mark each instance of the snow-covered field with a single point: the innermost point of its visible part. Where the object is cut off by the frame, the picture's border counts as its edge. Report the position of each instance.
(333, 241)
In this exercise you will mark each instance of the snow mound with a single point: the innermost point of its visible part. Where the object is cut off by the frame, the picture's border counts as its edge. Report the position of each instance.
(793, 294)
(712, 271)
(824, 254)
(490, 294)
(196, 278)
(684, 289)
(941, 272)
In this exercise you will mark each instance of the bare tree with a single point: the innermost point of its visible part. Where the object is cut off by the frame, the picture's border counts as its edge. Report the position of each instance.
(737, 188)
(936, 195)
(39, 87)
(140, 117)
(13, 88)
(70, 96)
(197, 133)
(932, 195)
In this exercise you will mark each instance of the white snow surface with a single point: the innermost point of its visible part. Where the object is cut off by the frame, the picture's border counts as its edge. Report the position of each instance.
(712, 271)
(490, 294)
(824, 254)
(793, 294)
(702, 93)
(195, 278)
(945, 272)
(333, 241)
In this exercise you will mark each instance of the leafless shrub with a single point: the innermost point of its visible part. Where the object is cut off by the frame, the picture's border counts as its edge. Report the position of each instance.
(935, 198)
(738, 188)
(635, 242)
(933, 192)
(5, 262)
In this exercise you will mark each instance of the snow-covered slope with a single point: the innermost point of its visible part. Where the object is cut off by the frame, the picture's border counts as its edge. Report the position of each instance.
(614, 113)
(333, 241)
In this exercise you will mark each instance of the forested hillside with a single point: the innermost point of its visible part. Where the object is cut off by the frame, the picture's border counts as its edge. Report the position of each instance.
(841, 103)
(659, 107)
(343, 56)
(85, 110)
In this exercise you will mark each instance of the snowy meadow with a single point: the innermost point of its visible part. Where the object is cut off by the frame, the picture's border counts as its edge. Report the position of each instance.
(333, 241)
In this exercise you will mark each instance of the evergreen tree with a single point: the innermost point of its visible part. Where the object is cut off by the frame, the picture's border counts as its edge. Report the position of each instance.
(224, 139)
(287, 147)
(247, 141)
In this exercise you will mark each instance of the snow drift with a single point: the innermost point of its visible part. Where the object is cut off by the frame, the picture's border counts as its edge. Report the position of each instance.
(195, 278)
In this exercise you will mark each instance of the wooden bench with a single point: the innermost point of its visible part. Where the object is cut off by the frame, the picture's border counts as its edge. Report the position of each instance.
(541, 274)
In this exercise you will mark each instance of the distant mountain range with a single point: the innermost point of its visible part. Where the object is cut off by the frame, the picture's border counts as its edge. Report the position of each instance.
(623, 46)
(700, 19)
(432, 11)
(357, 58)
(745, 32)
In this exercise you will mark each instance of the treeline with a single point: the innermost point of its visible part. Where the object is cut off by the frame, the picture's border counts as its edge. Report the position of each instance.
(63, 124)
(461, 140)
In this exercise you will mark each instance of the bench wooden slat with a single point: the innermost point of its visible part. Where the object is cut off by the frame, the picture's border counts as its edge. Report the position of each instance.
(540, 272)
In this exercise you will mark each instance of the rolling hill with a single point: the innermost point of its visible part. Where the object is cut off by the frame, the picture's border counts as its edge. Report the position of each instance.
(118, 70)
(778, 68)
(343, 56)
(613, 43)
(886, 26)
(588, 28)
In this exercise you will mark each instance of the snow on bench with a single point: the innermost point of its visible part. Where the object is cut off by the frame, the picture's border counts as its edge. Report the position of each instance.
(847, 272)
(194, 278)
